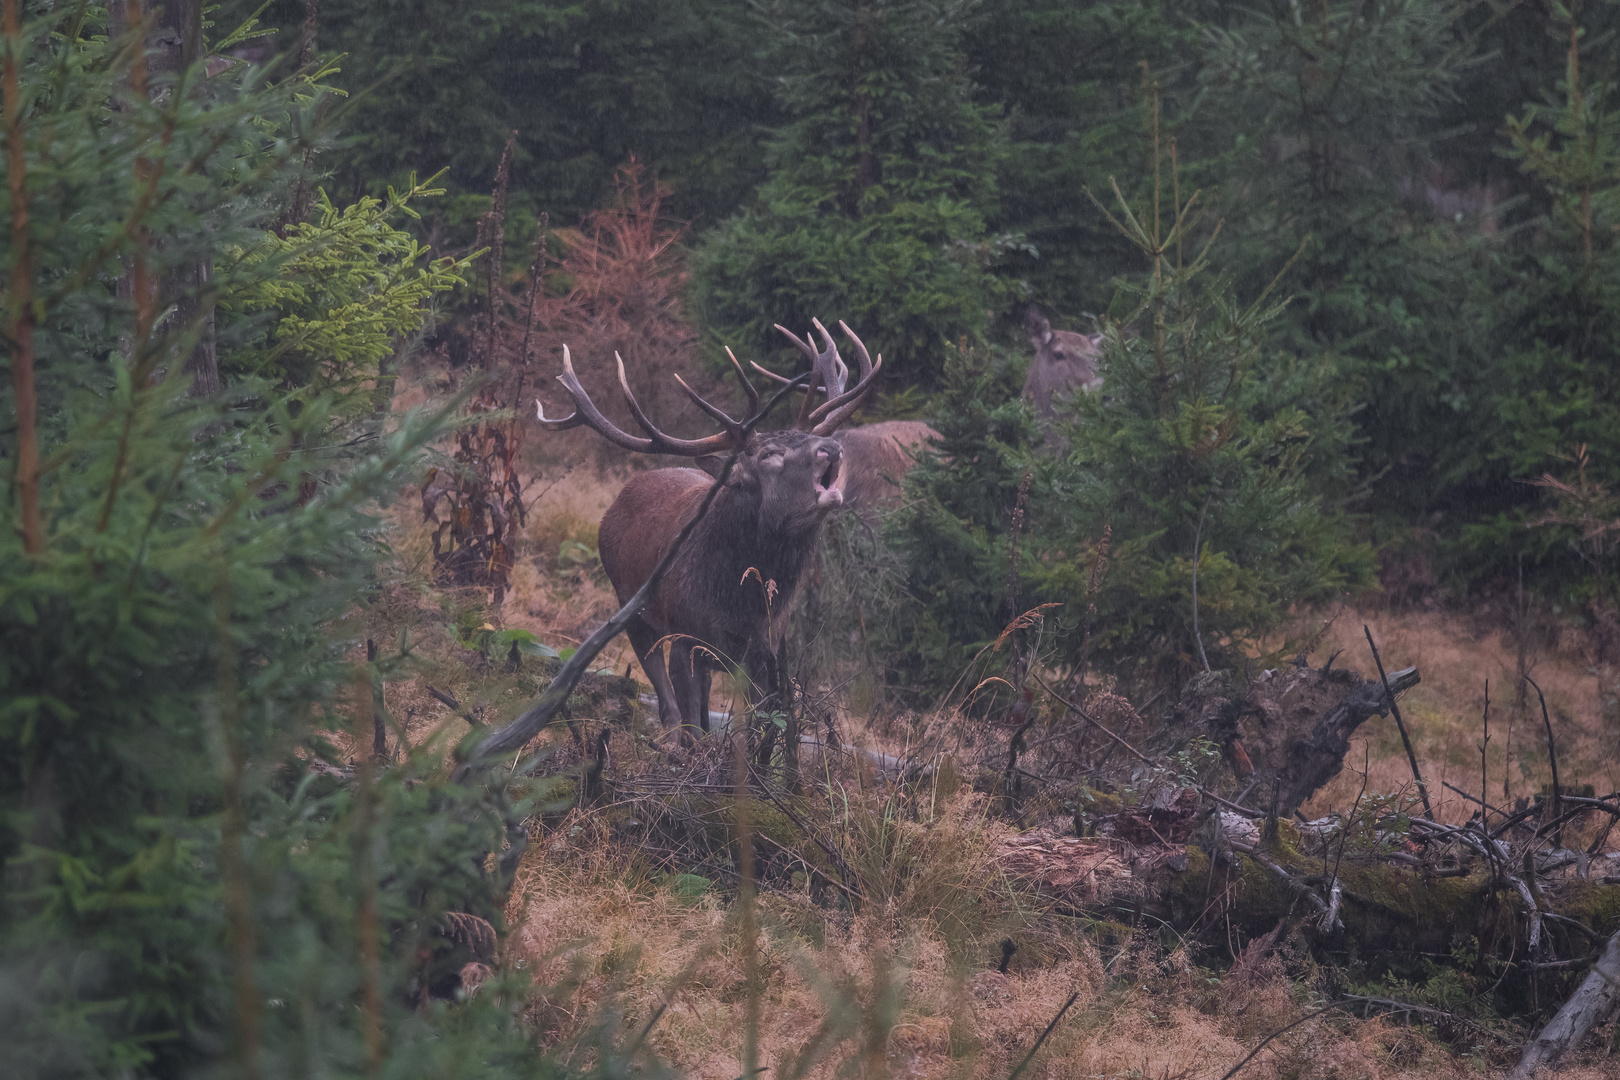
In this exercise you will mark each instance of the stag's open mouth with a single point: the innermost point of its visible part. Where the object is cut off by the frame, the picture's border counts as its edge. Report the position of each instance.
(827, 490)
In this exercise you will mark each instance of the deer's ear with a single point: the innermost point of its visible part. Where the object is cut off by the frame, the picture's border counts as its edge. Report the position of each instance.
(711, 463)
(1037, 327)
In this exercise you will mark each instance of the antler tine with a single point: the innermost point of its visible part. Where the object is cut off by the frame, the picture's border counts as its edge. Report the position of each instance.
(769, 374)
(572, 420)
(809, 350)
(860, 349)
(733, 428)
(845, 406)
(836, 374)
(586, 412)
(831, 415)
(748, 387)
(666, 444)
(802, 342)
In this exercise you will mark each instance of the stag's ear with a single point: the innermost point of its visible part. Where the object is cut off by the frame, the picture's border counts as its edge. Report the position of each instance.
(1036, 326)
(711, 463)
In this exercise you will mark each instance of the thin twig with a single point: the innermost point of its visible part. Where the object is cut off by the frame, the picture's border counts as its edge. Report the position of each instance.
(1552, 757)
(1198, 537)
(1484, 775)
(1233, 1071)
(454, 705)
(1022, 1065)
(1394, 707)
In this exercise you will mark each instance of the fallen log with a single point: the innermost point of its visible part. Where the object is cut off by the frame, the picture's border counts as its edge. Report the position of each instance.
(1594, 1000)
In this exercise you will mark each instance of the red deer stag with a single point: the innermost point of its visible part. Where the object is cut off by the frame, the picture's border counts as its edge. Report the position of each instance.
(726, 594)
(1064, 363)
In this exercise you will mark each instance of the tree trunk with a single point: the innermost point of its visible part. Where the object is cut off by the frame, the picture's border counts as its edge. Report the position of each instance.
(175, 42)
(1597, 998)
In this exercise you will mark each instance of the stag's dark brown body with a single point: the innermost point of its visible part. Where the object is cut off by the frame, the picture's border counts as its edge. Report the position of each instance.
(730, 586)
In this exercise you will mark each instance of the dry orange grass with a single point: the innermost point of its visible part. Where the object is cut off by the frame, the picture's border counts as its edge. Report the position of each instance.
(600, 936)
(593, 936)
(1455, 654)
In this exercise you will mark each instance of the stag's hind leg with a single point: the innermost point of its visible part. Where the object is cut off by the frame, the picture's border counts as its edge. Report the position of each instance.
(689, 672)
(644, 639)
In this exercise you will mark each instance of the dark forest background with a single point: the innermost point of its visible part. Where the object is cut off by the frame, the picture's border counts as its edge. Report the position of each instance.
(1441, 174)
(1355, 265)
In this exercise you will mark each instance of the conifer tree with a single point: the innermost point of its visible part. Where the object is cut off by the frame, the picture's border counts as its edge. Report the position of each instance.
(184, 886)
(880, 183)
(673, 83)
(1200, 497)
(1077, 85)
(1327, 121)
(1558, 398)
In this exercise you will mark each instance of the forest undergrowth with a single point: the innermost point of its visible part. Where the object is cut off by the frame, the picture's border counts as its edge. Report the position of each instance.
(623, 941)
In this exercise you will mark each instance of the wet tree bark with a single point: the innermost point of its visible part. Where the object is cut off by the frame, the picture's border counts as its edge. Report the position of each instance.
(173, 42)
(1320, 755)
(1597, 998)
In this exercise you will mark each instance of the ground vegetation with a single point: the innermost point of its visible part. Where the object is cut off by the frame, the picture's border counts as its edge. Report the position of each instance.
(1256, 716)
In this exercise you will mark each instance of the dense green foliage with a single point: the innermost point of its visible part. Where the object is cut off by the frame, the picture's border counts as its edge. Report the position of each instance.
(182, 891)
(874, 210)
(1215, 462)
(585, 86)
(1332, 126)
(954, 532)
(1189, 506)
(1559, 398)
(338, 289)
(917, 168)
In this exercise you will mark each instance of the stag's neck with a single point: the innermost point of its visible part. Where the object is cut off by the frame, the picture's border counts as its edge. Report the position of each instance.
(774, 551)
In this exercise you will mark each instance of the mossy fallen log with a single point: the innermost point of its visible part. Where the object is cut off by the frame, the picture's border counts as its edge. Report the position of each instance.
(1392, 917)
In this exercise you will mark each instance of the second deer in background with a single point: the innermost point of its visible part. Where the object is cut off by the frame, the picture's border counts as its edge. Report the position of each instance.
(1065, 363)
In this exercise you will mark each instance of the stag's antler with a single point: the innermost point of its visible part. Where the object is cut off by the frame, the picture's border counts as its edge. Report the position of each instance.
(830, 373)
(585, 412)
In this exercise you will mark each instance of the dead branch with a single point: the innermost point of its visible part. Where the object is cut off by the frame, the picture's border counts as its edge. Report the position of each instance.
(1424, 1012)
(1552, 753)
(1022, 1065)
(1400, 724)
(1298, 886)
(1233, 1071)
(454, 706)
(1596, 998)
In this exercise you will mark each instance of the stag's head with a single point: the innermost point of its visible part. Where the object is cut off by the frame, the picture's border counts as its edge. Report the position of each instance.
(794, 477)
